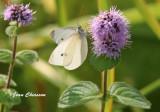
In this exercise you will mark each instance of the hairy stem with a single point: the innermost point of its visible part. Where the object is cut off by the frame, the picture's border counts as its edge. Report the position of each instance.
(11, 66)
(104, 90)
(12, 63)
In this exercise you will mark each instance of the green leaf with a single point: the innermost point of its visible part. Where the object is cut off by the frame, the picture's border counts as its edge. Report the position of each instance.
(6, 97)
(26, 57)
(13, 31)
(3, 81)
(102, 63)
(128, 95)
(77, 94)
(5, 55)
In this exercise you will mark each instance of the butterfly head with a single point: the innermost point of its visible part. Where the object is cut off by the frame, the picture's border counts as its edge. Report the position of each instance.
(81, 31)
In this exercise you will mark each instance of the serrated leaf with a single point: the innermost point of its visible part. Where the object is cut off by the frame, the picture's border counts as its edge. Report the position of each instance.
(128, 95)
(11, 31)
(102, 63)
(79, 93)
(5, 55)
(6, 97)
(26, 57)
(3, 81)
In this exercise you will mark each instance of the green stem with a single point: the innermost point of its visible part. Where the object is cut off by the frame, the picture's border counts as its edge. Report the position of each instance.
(104, 89)
(12, 63)
(110, 80)
(62, 13)
(151, 87)
(11, 67)
(147, 15)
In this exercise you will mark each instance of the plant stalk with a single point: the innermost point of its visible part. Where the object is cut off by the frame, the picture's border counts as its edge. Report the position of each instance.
(12, 63)
(104, 90)
(11, 67)
(110, 80)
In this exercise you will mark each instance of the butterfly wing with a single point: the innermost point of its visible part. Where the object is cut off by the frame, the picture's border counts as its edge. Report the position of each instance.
(80, 53)
(84, 49)
(63, 53)
(60, 34)
(72, 51)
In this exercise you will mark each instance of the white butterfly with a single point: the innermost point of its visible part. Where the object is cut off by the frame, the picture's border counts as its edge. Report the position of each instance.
(72, 47)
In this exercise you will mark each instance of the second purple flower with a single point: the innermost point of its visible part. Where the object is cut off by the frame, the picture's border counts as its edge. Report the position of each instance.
(110, 33)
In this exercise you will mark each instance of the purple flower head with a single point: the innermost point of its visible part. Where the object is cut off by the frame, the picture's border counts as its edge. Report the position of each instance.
(19, 13)
(110, 33)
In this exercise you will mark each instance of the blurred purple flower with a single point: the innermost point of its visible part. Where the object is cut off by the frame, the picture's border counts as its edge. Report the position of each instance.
(19, 13)
(110, 33)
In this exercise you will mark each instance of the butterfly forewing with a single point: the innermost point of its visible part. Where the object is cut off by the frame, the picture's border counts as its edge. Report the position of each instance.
(84, 49)
(60, 34)
(58, 54)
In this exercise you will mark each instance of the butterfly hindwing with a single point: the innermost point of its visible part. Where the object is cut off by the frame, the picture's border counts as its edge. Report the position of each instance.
(76, 55)
(69, 53)
(80, 53)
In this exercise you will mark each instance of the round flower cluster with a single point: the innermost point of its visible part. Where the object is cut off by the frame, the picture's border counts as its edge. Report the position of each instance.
(19, 13)
(110, 33)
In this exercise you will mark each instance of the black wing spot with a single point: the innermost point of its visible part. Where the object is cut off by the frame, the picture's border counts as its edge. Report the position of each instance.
(63, 54)
(62, 39)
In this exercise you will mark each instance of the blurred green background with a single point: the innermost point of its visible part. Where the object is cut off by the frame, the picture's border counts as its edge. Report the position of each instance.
(139, 64)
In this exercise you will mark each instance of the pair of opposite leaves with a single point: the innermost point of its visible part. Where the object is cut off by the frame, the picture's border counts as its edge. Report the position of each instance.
(72, 47)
